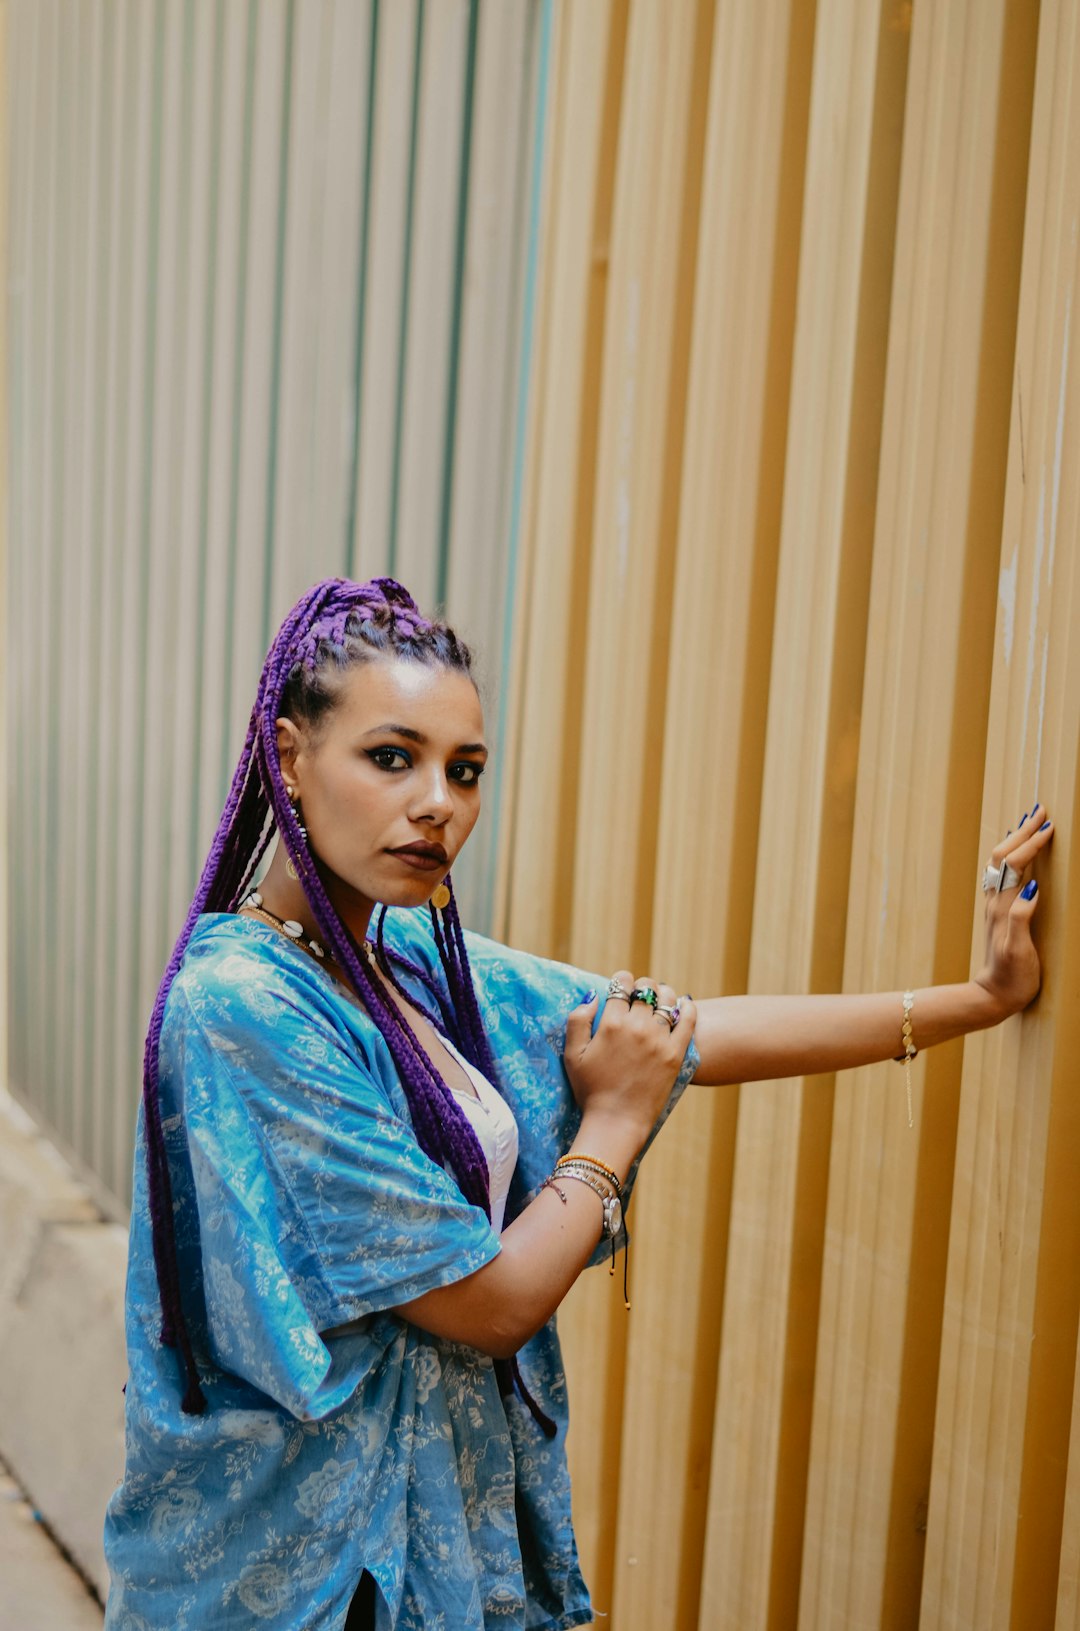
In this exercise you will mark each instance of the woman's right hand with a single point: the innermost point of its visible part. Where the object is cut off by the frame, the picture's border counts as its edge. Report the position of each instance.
(626, 1068)
(621, 1077)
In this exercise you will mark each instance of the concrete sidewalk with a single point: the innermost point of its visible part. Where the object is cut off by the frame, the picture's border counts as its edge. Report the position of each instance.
(40, 1590)
(62, 1360)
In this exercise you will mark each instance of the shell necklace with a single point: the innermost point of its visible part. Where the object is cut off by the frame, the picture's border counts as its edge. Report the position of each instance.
(287, 926)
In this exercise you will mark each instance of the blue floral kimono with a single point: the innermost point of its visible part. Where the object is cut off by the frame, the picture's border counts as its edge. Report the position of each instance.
(304, 1203)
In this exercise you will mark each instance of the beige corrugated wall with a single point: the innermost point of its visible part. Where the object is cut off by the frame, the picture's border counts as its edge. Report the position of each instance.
(268, 307)
(5, 931)
(715, 360)
(801, 569)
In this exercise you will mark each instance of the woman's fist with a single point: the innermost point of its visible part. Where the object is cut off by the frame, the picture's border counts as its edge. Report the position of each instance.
(627, 1066)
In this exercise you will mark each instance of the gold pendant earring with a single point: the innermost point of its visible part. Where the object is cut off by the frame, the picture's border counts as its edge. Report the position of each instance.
(294, 800)
(440, 897)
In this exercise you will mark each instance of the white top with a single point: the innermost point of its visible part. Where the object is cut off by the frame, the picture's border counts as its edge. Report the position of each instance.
(493, 1123)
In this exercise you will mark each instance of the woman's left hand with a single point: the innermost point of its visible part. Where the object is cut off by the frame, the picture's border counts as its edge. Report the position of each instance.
(1011, 973)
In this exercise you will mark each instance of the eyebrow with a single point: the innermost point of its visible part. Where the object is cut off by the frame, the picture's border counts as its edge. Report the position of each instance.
(418, 736)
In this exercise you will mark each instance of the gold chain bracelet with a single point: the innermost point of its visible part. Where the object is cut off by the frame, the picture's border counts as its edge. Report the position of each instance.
(910, 1050)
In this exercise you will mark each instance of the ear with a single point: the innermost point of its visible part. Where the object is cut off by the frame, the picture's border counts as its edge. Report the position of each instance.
(289, 745)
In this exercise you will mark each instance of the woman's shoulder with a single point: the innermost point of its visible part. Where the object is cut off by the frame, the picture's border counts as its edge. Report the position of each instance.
(236, 967)
(227, 949)
(247, 1003)
(495, 958)
(409, 932)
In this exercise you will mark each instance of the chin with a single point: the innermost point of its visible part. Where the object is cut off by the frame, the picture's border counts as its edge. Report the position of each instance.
(410, 894)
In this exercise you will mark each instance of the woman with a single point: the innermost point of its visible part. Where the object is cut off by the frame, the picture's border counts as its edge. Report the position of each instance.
(375, 1153)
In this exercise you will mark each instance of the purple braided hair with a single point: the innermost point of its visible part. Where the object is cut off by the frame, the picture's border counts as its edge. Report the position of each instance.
(336, 625)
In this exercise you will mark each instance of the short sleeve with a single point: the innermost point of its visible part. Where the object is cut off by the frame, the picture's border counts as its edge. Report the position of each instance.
(316, 1205)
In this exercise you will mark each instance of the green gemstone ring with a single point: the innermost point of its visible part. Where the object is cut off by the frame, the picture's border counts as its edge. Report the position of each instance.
(646, 994)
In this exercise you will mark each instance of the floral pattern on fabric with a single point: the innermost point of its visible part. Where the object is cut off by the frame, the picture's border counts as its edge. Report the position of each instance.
(303, 1203)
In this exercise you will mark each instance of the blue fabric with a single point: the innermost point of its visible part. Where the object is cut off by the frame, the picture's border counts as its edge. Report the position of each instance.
(303, 1202)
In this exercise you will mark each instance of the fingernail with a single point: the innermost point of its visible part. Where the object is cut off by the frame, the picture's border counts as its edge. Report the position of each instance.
(590, 996)
(1029, 890)
(1044, 826)
(1023, 818)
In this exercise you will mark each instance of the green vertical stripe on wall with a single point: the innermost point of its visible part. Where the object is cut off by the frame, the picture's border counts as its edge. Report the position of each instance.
(47, 834)
(69, 962)
(9, 587)
(162, 823)
(19, 84)
(351, 541)
(528, 328)
(28, 285)
(107, 206)
(81, 711)
(187, 113)
(406, 271)
(279, 296)
(140, 634)
(58, 834)
(36, 438)
(36, 736)
(238, 373)
(457, 303)
(116, 158)
(197, 665)
(115, 1050)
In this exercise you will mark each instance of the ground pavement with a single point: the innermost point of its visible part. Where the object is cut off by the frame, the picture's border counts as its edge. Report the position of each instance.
(39, 1590)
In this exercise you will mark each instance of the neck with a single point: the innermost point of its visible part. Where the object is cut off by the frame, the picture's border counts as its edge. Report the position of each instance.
(286, 899)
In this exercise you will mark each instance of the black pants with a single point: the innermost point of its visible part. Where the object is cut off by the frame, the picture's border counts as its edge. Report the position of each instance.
(362, 1608)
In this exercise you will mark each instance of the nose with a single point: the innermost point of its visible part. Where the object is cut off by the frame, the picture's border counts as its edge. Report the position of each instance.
(433, 802)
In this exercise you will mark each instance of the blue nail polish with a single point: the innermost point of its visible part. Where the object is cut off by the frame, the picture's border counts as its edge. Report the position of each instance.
(1023, 818)
(1029, 890)
(587, 998)
(1044, 826)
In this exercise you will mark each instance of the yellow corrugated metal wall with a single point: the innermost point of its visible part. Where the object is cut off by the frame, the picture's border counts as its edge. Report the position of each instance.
(791, 636)
(800, 573)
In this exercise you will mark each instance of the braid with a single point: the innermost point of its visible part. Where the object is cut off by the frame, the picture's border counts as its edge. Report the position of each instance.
(437, 1010)
(463, 991)
(335, 626)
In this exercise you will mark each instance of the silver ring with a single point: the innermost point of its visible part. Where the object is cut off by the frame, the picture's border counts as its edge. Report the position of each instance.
(996, 878)
(616, 990)
(671, 1014)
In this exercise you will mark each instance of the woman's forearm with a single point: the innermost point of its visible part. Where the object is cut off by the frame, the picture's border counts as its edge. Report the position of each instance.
(750, 1039)
(502, 1305)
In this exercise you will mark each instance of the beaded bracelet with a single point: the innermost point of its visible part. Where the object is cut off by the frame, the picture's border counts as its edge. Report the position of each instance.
(910, 1050)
